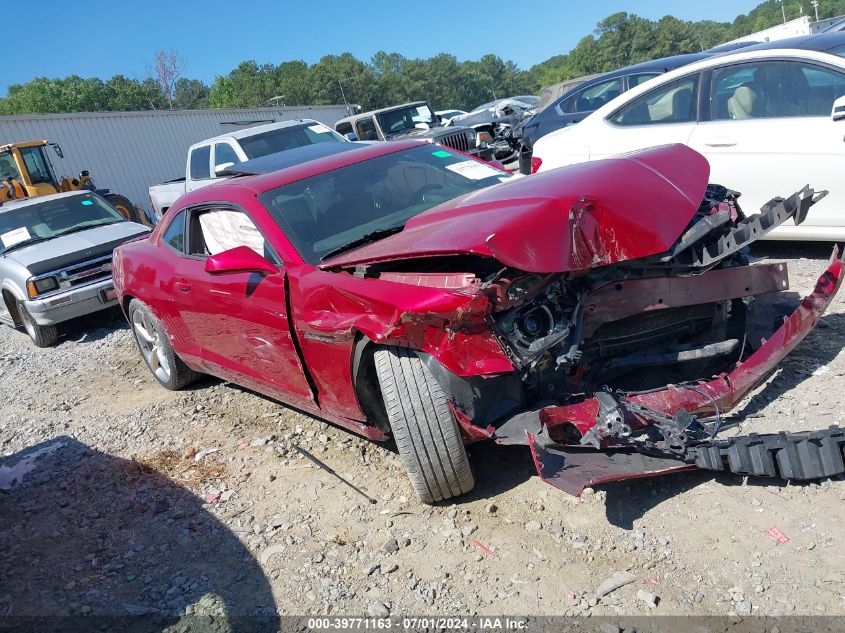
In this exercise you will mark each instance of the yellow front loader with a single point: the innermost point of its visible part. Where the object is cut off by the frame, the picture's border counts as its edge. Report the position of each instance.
(26, 172)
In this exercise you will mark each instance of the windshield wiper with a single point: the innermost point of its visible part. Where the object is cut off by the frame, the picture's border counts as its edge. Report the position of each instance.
(85, 227)
(365, 239)
(29, 242)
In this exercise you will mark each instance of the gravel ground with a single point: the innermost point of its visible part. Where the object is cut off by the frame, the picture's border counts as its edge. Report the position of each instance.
(126, 511)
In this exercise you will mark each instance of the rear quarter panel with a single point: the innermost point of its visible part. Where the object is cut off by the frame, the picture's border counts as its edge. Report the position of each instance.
(144, 270)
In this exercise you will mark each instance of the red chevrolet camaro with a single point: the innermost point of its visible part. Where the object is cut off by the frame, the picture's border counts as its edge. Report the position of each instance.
(605, 314)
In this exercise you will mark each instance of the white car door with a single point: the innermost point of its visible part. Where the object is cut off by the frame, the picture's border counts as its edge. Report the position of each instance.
(199, 168)
(770, 132)
(666, 114)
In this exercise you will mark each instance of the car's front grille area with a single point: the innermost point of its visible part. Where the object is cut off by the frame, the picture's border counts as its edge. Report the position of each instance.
(457, 141)
(648, 328)
(85, 273)
(81, 274)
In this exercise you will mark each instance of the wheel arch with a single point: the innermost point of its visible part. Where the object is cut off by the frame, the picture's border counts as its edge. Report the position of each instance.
(10, 299)
(483, 399)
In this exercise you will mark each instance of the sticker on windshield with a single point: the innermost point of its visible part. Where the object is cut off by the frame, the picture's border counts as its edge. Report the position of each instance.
(14, 237)
(424, 112)
(473, 170)
(441, 154)
(319, 129)
(87, 203)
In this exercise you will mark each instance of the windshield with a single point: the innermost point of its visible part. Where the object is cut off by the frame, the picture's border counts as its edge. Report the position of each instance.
(325, 212)
(288, 138)
(404, 119)
(52, 218)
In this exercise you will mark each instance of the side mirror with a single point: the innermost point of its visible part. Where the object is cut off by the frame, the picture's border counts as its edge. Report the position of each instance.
(58, 149)
(350, 136)
(241, 259)
(838, 113)
(221, 168)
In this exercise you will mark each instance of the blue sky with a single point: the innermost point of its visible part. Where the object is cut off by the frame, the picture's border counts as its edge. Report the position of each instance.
(120, 36)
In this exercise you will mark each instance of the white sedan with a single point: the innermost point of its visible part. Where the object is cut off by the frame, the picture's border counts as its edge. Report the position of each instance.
(769, 121)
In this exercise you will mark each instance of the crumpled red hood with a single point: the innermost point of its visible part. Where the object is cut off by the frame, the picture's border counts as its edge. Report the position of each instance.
(572, 218)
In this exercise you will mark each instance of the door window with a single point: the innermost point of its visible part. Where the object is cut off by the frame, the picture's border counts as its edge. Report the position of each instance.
(673, 103)
(174, 236)
(224, 153)
(594, 97)
(200, 159)
(366, 130)
(216, 230)
(36, 165)
(774, 89)
(636, 80)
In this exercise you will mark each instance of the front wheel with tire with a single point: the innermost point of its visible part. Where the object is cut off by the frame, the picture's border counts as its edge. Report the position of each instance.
(170, 371)
(41, 335)
(423, 426)
(125, 208)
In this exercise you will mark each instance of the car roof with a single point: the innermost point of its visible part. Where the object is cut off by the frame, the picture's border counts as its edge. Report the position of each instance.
(256, 129)
(28, 202)
(819, 42)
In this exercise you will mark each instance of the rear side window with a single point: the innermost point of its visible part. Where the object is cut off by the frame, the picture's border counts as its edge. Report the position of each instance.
(672, 103)
(594, 97)
(636, 80)
(174, 236)
(200, 158)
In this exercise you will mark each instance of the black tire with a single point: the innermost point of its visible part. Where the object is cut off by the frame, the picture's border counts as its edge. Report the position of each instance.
(125, 208)
(423, 426)
(156, 347)
(41, 335)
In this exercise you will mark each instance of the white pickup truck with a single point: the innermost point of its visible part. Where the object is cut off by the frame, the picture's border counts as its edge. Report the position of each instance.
(208, 160)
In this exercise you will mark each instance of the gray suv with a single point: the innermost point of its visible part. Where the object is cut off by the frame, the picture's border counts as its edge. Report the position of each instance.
(56, 260)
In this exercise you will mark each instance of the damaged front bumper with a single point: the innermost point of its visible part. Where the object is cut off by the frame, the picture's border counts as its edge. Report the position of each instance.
(617, 430)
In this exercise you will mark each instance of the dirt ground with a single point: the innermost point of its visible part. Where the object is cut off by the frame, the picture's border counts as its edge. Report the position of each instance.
(125, 511)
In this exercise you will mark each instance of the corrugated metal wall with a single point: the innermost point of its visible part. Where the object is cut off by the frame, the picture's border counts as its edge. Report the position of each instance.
(129, 151)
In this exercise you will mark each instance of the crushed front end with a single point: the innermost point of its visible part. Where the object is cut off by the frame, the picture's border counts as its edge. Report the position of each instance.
(627, 370)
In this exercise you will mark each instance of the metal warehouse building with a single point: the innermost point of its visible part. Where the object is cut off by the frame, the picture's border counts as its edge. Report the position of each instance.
(129, 151)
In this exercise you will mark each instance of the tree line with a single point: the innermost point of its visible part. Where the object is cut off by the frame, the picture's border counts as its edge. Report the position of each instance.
(390, 78)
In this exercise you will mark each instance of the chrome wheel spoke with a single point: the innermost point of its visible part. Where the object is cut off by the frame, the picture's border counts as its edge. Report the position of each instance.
(154, 359)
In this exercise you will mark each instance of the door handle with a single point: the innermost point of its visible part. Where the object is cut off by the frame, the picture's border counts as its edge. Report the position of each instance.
(720, 142)
(183, 286)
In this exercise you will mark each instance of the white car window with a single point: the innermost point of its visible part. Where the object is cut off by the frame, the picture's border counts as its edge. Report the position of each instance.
(774, 89)
(672, 103)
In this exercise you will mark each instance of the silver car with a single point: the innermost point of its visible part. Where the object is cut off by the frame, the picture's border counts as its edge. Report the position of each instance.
(56, 259)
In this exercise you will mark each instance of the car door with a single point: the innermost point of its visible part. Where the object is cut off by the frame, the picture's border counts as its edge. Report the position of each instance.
(240, 320)
(666, 114)
(224, 156)
(769, 132)
(199, 168)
